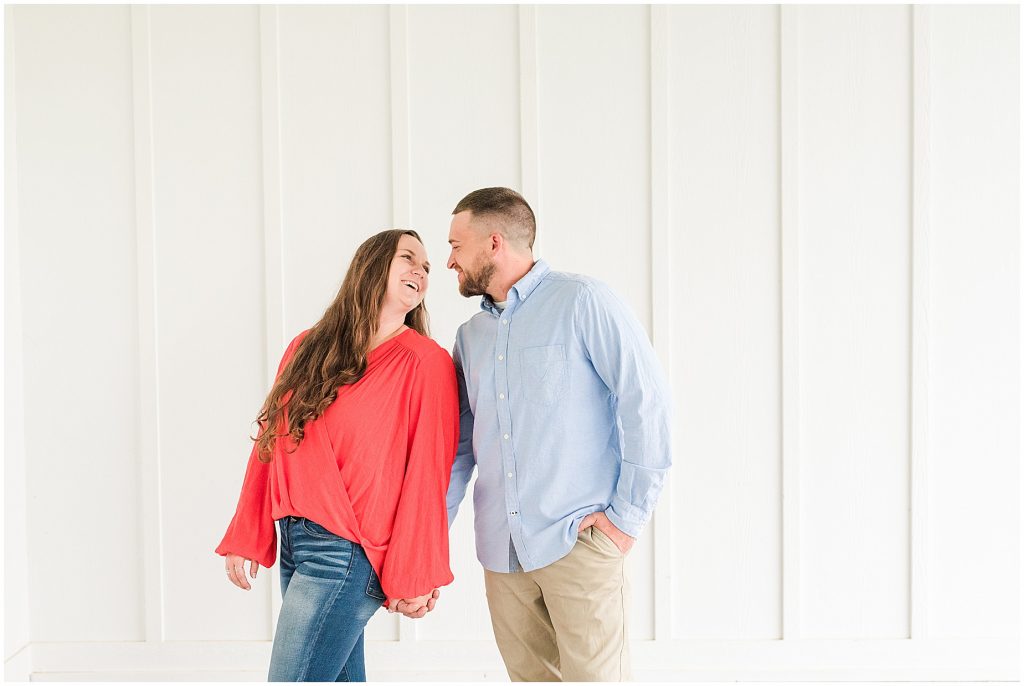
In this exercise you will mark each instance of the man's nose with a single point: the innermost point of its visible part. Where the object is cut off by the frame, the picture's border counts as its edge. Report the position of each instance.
(451, 260)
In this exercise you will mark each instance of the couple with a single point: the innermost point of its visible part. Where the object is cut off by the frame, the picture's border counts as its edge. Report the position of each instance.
(370, 433)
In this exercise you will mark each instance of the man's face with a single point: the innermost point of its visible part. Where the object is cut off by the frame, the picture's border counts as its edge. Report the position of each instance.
(470, 257)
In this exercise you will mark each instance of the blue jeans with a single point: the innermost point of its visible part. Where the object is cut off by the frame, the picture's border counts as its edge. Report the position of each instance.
(330, 592)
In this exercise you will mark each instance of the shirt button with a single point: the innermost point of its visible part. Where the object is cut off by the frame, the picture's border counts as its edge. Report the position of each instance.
(510, 475)
(501, 357)
(506, 437)
(505, 322)
(501, 396)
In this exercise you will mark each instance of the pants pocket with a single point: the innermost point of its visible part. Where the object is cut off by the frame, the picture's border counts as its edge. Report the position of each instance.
(602, 540)
(373, 587)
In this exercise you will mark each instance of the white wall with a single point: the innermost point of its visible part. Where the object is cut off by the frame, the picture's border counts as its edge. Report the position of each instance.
(813, 210)
(17, 651)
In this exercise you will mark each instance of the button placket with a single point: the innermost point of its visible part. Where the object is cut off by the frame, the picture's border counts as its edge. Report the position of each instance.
(505, 422)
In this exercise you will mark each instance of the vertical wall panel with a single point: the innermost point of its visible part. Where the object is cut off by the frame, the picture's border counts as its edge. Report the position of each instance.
(77, 245)
(463, 120)
(335, 149)
(975, 309)
(209, 284)
(724, 162)
(593, 68)
(16, 576)
(854, 219)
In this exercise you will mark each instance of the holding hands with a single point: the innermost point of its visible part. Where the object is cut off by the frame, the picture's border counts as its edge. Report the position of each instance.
(414, 608)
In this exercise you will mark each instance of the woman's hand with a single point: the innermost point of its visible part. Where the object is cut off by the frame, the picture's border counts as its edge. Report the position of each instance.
(414, 608)
(235, 567)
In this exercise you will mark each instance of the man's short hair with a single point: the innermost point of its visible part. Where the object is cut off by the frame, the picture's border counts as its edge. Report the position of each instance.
(512, 213)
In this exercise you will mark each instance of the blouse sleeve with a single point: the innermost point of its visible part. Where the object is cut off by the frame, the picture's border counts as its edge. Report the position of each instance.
(251, 532)
(416, 561)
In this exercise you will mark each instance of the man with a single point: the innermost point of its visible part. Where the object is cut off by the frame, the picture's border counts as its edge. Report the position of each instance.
(565, 411)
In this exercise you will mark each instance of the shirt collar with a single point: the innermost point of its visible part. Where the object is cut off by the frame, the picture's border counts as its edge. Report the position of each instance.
(522, 288)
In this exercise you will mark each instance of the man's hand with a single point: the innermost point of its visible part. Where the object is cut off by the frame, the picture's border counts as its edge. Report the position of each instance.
(622, 541)
(414, 608)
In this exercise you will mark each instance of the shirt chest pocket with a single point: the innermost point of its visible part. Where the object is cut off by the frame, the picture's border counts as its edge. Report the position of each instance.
(545, 374)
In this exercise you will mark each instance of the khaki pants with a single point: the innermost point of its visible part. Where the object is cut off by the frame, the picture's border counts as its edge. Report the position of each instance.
(567, 621)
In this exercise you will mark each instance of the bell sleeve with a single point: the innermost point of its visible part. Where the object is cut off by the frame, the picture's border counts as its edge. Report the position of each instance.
(416, 561)
(251, 532)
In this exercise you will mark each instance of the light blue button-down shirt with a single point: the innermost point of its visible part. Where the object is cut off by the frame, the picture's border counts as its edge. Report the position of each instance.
(565, 411)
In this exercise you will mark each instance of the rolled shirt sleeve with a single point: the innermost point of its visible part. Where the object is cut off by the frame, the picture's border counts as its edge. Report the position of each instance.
(623, 357)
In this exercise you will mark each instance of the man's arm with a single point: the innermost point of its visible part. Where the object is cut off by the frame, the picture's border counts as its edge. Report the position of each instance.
(623, 357)
(465, 462)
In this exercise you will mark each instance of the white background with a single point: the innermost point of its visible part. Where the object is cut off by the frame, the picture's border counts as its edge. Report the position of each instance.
(814, 211)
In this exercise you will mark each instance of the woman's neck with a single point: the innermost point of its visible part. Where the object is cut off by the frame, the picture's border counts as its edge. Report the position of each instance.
(390, 325)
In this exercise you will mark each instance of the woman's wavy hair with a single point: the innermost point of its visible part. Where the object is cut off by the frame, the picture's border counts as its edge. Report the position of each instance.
(334, 351)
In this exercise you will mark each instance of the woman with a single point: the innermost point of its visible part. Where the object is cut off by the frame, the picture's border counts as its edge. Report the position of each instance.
(352, 461)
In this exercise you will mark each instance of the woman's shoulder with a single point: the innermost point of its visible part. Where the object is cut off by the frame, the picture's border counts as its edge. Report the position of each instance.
(425, 348)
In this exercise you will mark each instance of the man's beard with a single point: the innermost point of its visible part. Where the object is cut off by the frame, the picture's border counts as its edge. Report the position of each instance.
(476, 283)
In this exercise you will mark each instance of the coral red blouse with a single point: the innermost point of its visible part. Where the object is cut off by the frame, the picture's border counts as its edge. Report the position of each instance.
(374, 468)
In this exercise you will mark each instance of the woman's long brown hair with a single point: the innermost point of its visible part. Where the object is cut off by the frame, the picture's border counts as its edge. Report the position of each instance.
(334, 351)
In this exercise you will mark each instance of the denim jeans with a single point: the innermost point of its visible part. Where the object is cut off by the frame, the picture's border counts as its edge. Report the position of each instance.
(330, 592)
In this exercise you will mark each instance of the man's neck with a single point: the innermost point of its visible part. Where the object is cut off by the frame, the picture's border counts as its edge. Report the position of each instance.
(501, 285)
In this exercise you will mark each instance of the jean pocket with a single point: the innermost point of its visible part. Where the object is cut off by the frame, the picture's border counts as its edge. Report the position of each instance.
(316, 530)
(317, 552)
(545, 373)
(373, 587)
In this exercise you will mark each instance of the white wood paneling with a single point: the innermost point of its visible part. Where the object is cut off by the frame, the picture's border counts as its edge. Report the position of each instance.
(335, 149)
(593, 69)
(207, 199)
(789, 338)
(149, 397)
(661, 301)
(77, 248)
(16, 574)
(813, 210)
(854, 172)
(275, 338)
(724, 165)
(686, 661)
(463, 109)
(921, 295)
(974, 342)
(529, 117)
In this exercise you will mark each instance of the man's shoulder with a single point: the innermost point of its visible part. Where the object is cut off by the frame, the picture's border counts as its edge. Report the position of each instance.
(571, 281)
(575, 288)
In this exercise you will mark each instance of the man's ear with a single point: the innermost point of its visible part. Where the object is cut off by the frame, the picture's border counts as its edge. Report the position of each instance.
(497, 241)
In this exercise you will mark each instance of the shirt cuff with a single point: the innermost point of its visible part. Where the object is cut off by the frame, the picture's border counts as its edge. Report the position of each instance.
(626, 517)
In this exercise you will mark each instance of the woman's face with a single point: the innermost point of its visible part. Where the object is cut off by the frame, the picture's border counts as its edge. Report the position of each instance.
(408, 278)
